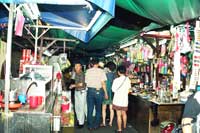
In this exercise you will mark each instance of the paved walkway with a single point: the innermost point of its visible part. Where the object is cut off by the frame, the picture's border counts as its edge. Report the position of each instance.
(106, 129)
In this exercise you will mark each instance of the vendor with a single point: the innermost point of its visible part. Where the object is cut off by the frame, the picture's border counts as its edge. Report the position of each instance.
(80, 94)
(191, 110)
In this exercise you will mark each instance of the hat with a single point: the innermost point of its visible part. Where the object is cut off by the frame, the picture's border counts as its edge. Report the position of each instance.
(101, 64)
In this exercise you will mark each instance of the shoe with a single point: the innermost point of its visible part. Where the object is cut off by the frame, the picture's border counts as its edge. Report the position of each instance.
(102, 125)
(80, 126)
(90, 129)
(110, 124)
(117, 131)
(95, 128)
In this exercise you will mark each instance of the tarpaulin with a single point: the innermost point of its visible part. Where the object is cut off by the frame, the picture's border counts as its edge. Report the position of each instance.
(166, 12)
(90, 15)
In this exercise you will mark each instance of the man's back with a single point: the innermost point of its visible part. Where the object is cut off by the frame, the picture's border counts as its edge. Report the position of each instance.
(94, 77)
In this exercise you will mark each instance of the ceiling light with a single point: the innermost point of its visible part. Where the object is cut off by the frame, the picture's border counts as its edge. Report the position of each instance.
(111, 54)
(128, 43)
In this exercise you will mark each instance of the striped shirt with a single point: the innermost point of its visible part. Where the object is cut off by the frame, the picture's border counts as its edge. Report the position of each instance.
(94, 77)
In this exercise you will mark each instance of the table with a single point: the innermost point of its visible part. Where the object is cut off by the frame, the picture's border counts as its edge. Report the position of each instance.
(146, 115)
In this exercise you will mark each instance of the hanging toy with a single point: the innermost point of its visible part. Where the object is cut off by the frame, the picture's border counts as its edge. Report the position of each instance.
(163, 50)
(184, 70)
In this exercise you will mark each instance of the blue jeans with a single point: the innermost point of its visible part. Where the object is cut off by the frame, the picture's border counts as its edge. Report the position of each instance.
(94, 99)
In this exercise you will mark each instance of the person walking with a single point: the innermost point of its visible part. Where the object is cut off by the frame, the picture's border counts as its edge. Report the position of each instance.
(80, 95)
(95, 80)
(120, 87)
(110, 74)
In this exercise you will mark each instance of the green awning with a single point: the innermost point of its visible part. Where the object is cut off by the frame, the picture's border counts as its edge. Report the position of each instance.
(163, 11)
(108, 37)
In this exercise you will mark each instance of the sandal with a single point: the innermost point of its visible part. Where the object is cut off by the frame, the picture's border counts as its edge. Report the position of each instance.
(102, 125)
(110, 125)
(117, 131)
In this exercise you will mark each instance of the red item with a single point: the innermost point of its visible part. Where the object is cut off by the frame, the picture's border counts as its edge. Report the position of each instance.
(58, 75)
(168, 128)
(40, 100)
(65, 107)
(13, 106)
(23, 54)
(33, 101)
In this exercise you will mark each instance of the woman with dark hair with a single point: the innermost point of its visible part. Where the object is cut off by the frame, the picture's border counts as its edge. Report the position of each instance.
(120, 87)
(110, 74)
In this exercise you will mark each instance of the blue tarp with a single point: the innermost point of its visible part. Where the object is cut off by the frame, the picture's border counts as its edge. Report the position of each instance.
(74, 14)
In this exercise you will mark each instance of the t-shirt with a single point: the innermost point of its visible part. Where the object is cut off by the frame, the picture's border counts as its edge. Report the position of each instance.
(80, 78)
(94, 77)
(121, 93)
(192, 107)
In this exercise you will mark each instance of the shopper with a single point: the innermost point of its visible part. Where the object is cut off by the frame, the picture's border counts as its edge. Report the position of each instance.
(80, 95)
(110, 74)
(120, 87)
(95, 79)
(191, 110)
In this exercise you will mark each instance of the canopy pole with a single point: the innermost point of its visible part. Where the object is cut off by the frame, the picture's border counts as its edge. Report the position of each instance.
(36, 41)
(64, 46)
(8, 65)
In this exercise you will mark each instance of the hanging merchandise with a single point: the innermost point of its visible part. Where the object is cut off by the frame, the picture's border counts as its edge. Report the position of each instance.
(185, 38)
(163, 50)
(184, 66)
(19, 23)
(196, 58)
(63, 61)
(176, 80)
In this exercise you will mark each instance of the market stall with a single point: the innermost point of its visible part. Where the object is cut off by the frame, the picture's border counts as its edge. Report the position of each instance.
(146, 115)
(46, 98)
(163, 74)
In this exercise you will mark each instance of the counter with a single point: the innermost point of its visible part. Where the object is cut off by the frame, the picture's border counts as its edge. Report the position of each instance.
(26, 120)
(146, 115)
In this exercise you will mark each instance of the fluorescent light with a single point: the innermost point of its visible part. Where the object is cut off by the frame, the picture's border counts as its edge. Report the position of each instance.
(111, 54)
(128, 43)
(94, 19)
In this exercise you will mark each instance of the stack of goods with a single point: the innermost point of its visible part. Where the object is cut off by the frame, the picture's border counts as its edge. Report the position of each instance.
(67, 119)
(25, 59)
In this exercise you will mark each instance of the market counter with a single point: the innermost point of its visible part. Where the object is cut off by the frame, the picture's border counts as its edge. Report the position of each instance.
(26, 120)
(146, 115)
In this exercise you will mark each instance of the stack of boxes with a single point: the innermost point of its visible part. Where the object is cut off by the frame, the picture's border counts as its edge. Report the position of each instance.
(25, 59)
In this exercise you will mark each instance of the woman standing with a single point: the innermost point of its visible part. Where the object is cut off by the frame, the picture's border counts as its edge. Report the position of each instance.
(120, 87)
(109, 69)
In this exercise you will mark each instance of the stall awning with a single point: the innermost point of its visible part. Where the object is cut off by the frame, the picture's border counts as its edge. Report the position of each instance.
(89, 15)
(166, 12)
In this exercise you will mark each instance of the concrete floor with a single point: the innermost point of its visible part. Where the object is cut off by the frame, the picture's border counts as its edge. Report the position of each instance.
(106, 129)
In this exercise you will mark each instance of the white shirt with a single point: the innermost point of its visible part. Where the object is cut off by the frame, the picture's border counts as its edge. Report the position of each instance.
(94, 77)
(121, 94)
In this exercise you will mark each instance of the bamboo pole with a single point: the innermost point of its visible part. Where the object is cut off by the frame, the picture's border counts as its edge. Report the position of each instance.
(8, 65)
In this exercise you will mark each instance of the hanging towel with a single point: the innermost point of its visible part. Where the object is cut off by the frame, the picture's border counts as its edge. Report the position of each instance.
(19, 23)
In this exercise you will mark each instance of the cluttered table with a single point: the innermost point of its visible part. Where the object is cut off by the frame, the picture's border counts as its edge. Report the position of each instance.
(146, 113)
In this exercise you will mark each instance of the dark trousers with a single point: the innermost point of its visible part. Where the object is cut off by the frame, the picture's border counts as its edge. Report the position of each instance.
(94, 99)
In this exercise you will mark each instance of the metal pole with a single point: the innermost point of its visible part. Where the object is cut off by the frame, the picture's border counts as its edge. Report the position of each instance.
(8, 65)
(36, 41)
